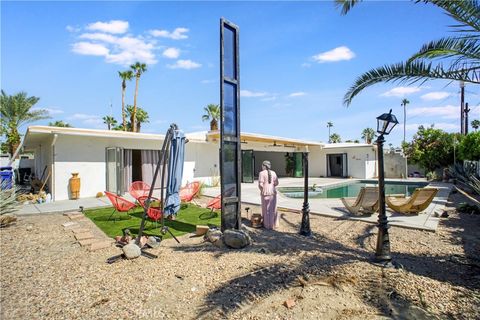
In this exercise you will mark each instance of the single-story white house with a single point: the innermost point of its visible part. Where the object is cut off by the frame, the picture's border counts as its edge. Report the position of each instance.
(111, 160)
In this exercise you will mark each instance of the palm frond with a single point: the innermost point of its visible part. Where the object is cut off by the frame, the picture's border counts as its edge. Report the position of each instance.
(346, 5)
(409, 73)
(467, 12)
(461, 48)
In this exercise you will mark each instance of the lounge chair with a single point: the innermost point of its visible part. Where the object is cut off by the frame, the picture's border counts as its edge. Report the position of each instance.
(366, 202)
(154, 213)
(139, 189)
(190, 191)
(216, 203)
(119, 204)
(419, 201)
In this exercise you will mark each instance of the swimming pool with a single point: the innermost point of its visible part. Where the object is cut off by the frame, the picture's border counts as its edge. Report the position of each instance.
(351, 189)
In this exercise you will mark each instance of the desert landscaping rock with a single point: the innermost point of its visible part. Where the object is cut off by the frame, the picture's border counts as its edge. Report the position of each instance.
(131, 251)
(214, 235)
(236, 239)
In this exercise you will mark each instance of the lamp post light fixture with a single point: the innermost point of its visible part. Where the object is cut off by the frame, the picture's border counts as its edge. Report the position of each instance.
(305, 227)
(385, 124)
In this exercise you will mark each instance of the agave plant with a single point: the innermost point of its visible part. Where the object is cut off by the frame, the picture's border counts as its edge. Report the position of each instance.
(466, 175)
(8, 204)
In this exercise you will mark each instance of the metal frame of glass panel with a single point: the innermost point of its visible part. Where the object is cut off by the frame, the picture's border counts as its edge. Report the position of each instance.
(118, 171)
(230, 144)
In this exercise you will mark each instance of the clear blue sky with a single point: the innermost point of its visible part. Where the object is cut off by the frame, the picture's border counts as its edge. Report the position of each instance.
(297, 60)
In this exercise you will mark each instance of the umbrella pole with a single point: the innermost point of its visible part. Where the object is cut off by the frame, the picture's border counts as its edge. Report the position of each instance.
(157, 169)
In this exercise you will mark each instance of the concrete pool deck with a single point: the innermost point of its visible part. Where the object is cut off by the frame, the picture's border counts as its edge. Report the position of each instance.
(334, 207)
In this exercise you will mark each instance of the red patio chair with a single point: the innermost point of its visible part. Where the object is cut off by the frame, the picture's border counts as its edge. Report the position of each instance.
(216, 203)
(138, 189)
(119, 204)
(190, 191)
(154, 213)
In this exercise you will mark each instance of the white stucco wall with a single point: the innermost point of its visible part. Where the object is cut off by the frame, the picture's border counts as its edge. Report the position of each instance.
(86, 156)
(361, 161)
(201, 162)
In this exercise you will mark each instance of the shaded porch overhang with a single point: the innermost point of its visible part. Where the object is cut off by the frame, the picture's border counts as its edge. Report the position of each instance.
(257, 141)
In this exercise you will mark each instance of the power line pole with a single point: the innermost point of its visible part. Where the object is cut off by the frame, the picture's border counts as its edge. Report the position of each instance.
(466, 111)
(462, 102)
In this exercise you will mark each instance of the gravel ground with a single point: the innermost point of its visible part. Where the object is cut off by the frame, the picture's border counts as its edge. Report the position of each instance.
(45, 274)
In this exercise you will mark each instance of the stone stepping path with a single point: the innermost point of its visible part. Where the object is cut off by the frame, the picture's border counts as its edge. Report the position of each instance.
(85, 232)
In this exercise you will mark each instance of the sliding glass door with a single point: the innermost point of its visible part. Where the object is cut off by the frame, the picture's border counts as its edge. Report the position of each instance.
(114, 170)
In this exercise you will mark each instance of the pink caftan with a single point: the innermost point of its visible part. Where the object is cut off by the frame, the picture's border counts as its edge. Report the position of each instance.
(268, 193)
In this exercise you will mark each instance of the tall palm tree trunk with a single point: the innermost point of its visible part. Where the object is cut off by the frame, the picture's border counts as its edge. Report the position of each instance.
(404, 121)
(124, 120)
(134, 113)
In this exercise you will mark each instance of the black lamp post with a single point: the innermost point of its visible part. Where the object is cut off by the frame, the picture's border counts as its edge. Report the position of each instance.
(385, 124)
(305, 228)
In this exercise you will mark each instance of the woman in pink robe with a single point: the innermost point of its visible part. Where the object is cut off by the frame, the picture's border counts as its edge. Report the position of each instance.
(267, 181)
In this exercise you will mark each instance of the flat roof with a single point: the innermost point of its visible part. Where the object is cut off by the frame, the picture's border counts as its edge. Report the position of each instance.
(92, 132)
(256, 137)
(346, 145)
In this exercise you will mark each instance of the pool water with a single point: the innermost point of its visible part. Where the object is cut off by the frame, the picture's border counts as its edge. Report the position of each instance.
(351, 189)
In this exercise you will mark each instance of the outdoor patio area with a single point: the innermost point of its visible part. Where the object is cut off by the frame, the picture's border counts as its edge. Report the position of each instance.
(428, 220)
(334, 207)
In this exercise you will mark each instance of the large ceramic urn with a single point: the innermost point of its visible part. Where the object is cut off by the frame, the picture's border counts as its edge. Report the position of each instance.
(75, 186)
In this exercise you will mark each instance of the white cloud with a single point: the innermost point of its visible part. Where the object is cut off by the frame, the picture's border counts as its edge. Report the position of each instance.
(184, 64)
(269, 99)
(172, 53)
(306, 65)
(337, 54)
(90, 49)
(123, 50)
(252, 94)
(208, 81)
(88, 120)
(177, 34)
(400, 91)
(53, 111)
(446, 112)
(104, 37)
(438, 125)
(296, 94)
(72, 28)
(113, 26)
(437, 95)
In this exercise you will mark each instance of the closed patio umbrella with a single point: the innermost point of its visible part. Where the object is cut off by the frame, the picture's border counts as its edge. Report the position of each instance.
(175, 173)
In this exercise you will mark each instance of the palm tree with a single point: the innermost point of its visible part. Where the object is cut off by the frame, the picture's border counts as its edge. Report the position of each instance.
(212, 113)
(368, 134)
(329, 125)
(462, 52)
(142, 117)
(475, 124)
(59, 123)
(335, 138)
(109, 121)
(138, 68)
(125, 75)
(16, 111)
(404, 104)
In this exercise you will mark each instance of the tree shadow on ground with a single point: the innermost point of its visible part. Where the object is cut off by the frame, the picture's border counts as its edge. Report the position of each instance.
(320, 255)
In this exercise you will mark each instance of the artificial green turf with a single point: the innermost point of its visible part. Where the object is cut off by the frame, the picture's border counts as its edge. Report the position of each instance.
(187, 218)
